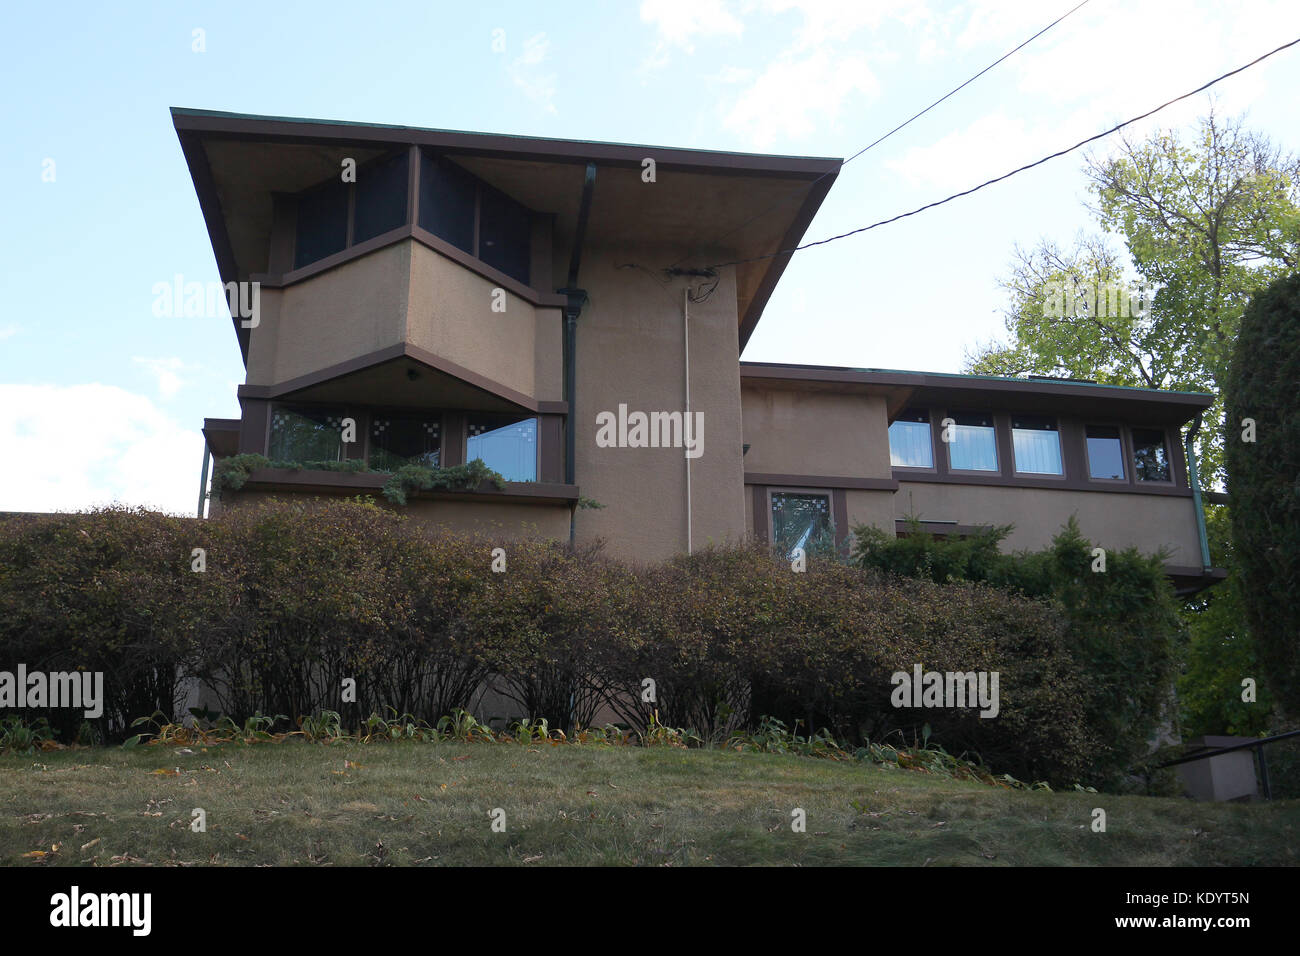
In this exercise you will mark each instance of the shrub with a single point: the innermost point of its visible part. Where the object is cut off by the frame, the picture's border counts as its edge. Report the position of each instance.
(1262, 480)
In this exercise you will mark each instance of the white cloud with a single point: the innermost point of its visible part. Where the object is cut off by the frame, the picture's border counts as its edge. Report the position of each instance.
(8, 331)
(679, 22)
(166, 372)
(526, 73)
(795, 95)
(73, 447)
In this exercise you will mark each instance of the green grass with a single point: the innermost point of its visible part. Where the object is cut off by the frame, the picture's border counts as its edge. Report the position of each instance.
(429, 804)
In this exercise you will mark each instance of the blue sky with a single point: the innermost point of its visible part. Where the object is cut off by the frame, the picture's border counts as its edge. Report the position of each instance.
(100, 400)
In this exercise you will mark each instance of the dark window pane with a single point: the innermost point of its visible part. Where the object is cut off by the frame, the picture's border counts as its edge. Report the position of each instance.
(506, 444)
(1105, 452)
(1037, 445)
(381, 198)
(322, 224)
(397, 440)
(306, 434)
(801, 521)
(504, 233)
(447, 201)
(1150, 458)
(909, 440)
(974, 445)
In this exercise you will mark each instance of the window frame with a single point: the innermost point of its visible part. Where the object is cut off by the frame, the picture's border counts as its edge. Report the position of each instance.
(1125, 452)
(999, 468)
(1060, 446)
(1172, 480)
(934, 454)
(349, 240)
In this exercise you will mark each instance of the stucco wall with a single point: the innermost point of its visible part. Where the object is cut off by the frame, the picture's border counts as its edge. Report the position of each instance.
(1110, 519)
(351, 310)
(630, 351)
(798, 432)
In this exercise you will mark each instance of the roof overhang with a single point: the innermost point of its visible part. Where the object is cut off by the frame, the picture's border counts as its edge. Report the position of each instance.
(703, 207)
(1046, 396)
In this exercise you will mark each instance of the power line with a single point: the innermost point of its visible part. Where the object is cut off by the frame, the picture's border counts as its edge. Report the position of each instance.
(915, 116)
(974, 189)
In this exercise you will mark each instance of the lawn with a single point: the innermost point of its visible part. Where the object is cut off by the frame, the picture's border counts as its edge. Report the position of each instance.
(431, 804)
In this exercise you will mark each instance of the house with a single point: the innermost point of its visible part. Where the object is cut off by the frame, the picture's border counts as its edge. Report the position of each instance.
(573, 314)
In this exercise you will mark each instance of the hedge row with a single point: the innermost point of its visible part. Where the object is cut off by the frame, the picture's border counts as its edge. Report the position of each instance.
(295, 598)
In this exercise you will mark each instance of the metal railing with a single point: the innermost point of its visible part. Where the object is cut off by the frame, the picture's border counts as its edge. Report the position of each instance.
(1256, 745)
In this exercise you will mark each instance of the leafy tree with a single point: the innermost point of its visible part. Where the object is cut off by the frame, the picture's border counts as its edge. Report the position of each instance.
(1264, 480)
(1204, 224)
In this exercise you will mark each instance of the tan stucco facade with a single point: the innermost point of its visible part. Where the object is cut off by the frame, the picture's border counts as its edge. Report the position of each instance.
(1111, 520)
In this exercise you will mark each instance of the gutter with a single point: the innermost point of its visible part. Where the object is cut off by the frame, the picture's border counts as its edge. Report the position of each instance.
(576, 299)
(1195, 482)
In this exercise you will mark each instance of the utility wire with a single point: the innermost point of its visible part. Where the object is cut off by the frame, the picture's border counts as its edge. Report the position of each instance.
(974, 189)
(915, 116)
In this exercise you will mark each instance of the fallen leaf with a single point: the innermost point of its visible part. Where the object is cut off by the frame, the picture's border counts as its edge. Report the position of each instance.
(87, 846)
(532, 859)
(35, 855)
(164, 772)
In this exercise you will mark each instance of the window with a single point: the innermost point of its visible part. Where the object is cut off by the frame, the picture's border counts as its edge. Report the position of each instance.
(381, 198)
(322, 224)
(1105, 452)
(1150, 457)
(800, 521)
(306, 434)
(506, 444)
(909, 441)
(1036, 443)
(401, 439)
(504, 232)
(974, 445)
(448, 200)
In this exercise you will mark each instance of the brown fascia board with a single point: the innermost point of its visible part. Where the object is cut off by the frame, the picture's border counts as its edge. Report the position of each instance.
(399, 351)
(222, 436)
(938, 387)
(192, 125)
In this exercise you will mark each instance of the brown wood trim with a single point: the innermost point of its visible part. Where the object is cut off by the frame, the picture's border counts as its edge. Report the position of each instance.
(403, 350)
(427, 239)
(254, 425)
(550, 436)
(1054, 484)
(762, 515)
(453, 438)
(413, 184)
(821, 481)
(938, 527)
(288, 479)
(270, 128)
(840, 516)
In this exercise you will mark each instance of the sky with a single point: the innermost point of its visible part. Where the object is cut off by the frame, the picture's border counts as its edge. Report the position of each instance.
(102, 401)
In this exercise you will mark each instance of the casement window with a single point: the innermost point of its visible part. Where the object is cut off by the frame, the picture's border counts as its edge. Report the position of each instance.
(507, 444)
(405, 439)
(1150, 455)
(974, 445)
(910, 445)
(1105, 452)
(306, 434)
(337, 214)
(474, 217)
(800, 520)
(1036, 444)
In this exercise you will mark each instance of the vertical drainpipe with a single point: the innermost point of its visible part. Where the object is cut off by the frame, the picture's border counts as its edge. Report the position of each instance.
(1196, 493)
(576, 299)
(686, 362)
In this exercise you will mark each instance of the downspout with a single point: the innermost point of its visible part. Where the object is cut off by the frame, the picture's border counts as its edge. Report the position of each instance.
(203, 479)
(576, 299)
(686, 362)
(1196, 493)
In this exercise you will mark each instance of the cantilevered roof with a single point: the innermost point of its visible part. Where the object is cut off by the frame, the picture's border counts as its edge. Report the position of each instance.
(904, 388)
(704, 206)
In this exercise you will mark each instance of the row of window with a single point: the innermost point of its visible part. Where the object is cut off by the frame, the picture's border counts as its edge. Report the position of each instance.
(971, 442)
(454, 205)
(507, 444)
